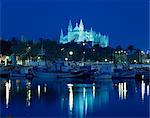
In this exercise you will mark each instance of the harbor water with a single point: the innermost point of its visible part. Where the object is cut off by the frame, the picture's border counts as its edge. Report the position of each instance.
(41, 97)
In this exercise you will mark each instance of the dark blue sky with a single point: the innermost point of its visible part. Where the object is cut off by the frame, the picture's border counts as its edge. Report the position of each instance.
(125, 21)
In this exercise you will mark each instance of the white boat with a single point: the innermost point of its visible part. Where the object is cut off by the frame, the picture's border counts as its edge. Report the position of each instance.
(123, 74)
(104, 76)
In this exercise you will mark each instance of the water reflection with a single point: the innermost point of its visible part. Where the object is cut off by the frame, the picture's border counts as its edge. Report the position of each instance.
(17, 85)
(8, 88)
(143, 89)
(147, 90)
(93, 90)
(122, 89)
(82, 98)
(75, 100)
(39, 91)
(45, 88)
(28, 94)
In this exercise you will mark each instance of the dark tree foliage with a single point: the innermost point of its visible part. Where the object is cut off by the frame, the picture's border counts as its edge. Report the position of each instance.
(54, 50)
(5, 47)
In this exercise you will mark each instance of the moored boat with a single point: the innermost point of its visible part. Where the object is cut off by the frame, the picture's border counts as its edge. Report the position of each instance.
(123, 74)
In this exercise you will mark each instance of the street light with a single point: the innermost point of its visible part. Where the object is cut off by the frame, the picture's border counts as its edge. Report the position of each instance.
(62, 49)
(135, 61)
(93, 50)
(142, 52)
(84, 44)
(6, 60)
(71, 53)
(7, 57)
(66, 59)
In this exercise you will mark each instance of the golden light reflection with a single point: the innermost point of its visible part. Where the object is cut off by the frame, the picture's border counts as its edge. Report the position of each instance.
(8, 87)
(84, 92)
(122, 88)
(143, 89)
(70, 97)
(17, 85)
(93, 90)
(39, 91)
(125, 90)
(86, 106)
(147, 90)
(45, 88)
(28, 93)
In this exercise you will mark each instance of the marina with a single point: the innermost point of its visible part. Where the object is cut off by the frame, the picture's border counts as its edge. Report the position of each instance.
(74, 59)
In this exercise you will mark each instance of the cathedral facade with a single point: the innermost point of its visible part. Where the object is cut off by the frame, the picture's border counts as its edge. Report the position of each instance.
(79, 35)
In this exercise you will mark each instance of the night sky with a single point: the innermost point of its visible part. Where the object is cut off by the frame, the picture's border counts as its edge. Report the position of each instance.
(125, 21)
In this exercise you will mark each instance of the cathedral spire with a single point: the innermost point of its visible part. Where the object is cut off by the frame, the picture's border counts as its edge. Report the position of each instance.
(70, 26)
(91, 30)
(81, 26)
(99, 34)
(61, 34)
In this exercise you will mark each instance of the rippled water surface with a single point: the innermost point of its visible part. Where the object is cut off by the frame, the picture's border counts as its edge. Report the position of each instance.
(68, 98)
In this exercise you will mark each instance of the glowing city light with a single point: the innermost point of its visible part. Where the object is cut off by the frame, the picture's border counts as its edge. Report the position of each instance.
(71, 53)
(39, 58)
(66, 59)
(62, 49)
(142, 52)
(69, 85)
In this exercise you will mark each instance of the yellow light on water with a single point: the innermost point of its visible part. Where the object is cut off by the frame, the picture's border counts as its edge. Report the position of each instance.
(7, 93)
(93, 90)
(125, 90)
(70, 97)
(28, 100)
(39, 91)
(45, 88)
(143, 89)
(84, 92)
(147, 90)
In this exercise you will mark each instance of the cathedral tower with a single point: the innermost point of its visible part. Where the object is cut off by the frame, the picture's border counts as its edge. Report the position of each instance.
(91, 35)
(70, 26)
(69, 31)
(81, 31)
(61, 36)
(81, 26)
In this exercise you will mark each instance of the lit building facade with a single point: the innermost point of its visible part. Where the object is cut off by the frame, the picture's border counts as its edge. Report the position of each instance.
(79, 35)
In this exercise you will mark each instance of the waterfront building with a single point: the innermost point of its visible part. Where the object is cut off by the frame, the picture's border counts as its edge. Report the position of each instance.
(79, 34)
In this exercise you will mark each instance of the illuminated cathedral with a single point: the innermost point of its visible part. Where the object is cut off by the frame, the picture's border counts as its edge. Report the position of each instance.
(79, 35)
